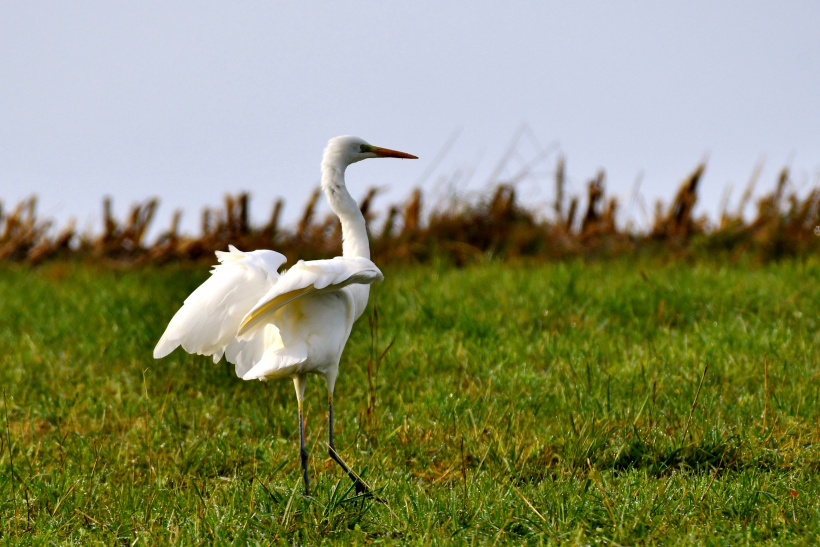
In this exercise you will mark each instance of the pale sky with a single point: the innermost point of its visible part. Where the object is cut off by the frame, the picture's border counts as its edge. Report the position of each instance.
(188, 100)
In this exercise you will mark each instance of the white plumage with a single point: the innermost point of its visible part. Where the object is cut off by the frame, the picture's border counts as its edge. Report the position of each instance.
(302, 334)
(209, 319)
(272, 325)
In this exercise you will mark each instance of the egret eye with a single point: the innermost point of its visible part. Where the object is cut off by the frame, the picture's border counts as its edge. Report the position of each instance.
(363, 148)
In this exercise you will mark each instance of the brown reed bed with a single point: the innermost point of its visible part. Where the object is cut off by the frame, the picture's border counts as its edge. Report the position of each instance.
(462, 230)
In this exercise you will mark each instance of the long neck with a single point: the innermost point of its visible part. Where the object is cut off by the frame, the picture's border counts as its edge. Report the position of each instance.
(354, 231)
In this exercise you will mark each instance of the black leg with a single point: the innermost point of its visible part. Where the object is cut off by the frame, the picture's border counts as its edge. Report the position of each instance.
(357, 483)
(303, 455)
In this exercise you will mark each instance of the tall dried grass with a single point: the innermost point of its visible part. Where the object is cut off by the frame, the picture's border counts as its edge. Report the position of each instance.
(494, 225)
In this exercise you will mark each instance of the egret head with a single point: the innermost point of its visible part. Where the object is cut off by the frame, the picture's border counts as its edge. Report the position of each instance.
(342, 151)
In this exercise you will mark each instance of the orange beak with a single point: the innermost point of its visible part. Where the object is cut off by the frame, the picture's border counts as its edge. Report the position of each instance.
(387, 153)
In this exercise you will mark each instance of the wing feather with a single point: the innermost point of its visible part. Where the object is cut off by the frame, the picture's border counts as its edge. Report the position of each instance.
(208, 320)
(307, 278)
(242, 311)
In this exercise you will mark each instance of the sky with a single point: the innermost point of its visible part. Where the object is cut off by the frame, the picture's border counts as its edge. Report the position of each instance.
(190, 100)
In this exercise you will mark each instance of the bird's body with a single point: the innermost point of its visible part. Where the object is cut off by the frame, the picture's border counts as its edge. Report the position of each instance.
(304, 335)
(272, 325)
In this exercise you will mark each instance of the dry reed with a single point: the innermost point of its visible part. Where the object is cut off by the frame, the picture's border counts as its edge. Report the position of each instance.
(495, 225)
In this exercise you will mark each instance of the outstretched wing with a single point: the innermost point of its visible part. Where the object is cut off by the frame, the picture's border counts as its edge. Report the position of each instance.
(208, 321)
(305, 278)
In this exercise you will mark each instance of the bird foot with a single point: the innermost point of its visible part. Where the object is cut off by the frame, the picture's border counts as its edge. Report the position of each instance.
(361, 488)
(363, 491)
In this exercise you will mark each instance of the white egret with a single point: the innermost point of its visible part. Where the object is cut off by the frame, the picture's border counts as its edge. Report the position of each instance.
(272, 325)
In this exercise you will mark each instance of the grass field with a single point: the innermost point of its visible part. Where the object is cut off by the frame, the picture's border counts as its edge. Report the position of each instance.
(537, 404)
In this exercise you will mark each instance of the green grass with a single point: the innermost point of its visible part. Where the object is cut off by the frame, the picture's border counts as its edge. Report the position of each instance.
(543, 404)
